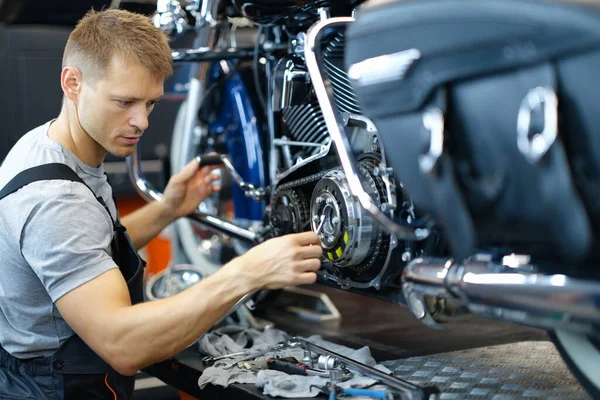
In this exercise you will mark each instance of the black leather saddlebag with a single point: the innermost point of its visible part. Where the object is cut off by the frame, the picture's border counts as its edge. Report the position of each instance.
(489, 111)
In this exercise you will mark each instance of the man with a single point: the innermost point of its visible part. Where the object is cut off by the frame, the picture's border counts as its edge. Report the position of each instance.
(72, 325)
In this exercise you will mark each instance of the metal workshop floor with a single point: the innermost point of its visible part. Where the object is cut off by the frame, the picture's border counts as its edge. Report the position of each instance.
(525, 370)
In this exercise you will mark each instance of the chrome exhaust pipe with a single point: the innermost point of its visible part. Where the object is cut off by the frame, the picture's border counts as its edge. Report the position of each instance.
(148, 193)
(514, 294)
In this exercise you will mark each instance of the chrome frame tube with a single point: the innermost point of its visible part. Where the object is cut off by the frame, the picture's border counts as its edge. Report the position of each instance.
(496, 291)
(208, 9)
(207, 54)
(336, 129)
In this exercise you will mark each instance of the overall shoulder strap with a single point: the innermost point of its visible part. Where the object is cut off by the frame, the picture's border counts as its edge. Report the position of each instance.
(45, 172)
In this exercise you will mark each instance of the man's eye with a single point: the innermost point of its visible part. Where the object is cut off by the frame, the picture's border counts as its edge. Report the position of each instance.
(123, 103)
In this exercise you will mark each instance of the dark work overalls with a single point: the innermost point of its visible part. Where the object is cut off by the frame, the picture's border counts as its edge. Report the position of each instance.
(74, 371)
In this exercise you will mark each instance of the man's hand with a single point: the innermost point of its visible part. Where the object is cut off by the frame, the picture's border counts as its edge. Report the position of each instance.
(184, 192)
(188, 188)
(283, 261)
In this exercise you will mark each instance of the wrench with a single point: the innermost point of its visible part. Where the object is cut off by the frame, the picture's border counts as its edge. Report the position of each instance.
(211, 359)
(255, 354)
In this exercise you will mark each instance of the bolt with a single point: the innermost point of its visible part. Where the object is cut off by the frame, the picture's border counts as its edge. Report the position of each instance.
(417, 306)
(335, 220)
(269, 46)
(307, 360)
(336, 376)
(385, 207)
(319, 200)
(315, 219)
(329, 200)
(327, 362)
(406, 256)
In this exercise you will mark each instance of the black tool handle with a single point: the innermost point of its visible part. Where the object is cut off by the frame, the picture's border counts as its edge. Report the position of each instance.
(286, 365)
(209, 159)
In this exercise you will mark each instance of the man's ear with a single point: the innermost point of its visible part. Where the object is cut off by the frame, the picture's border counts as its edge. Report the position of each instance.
(70, 81)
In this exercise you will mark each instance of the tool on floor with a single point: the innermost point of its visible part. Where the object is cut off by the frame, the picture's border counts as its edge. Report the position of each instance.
(408, 390)
(252, 354)
(211, 359)
(290, 365)
(333, 391)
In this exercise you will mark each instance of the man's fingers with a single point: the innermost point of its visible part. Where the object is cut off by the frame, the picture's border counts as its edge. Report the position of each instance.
(186, 173)
(309, 265)
(306, 278)
(211, 178)
(207, 169)
(307, 252)
(306, 238)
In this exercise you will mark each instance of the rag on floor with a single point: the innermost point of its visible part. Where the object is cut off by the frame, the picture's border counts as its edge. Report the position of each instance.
(233, 339)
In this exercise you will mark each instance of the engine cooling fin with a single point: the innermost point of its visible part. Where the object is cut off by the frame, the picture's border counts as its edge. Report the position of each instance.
(305, 123)
(344, 95)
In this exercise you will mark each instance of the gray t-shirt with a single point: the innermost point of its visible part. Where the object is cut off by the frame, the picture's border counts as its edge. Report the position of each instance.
(54, 237)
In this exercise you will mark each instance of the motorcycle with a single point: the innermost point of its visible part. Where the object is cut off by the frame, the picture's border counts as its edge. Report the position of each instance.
(420, 141)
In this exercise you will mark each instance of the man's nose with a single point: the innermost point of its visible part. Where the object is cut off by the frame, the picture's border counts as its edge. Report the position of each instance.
(139, 118)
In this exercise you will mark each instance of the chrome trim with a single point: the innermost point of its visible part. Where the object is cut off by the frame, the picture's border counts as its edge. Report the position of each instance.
(171, 17)
(433, 120)
(535, 147)
(291, 75)
(511, 294)
(286, 142)
(382, 69)
(249, 189)
(322, 153)
(207, 54)
(147, 191)
(340, 140)
(208, 11)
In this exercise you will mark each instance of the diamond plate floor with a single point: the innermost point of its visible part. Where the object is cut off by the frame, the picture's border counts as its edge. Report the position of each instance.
(525, 370)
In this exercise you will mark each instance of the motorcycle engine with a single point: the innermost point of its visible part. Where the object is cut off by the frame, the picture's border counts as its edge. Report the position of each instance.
(312, 191)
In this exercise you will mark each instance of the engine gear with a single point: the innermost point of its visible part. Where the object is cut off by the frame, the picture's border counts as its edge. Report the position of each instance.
(289, 212)
(347, 234)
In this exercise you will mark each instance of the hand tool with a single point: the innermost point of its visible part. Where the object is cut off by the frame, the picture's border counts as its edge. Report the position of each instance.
(290, 365)
(257, 353)
(211, 359)
(408, 390)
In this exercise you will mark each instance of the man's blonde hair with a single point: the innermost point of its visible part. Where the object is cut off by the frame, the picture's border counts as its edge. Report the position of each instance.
(100, 35)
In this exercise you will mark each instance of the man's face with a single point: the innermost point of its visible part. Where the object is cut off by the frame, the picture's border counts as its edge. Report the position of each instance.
(114, 109)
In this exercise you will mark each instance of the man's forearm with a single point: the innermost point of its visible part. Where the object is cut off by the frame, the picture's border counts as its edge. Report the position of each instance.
(147, 222)
(150, 332)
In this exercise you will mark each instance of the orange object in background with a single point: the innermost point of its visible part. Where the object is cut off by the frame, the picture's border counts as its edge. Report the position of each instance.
(158, 252)
(185, 396)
